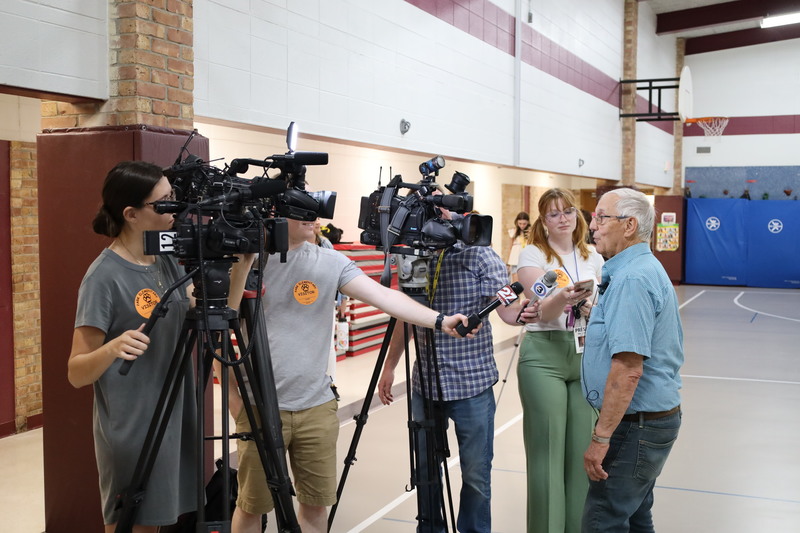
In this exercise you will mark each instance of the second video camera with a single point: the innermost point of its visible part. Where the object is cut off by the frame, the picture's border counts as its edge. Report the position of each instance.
(418, 220)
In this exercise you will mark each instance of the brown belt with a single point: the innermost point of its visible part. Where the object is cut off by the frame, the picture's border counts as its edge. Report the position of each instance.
(642, 415)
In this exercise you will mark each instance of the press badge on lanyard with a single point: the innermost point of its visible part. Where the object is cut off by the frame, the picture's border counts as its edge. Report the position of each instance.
(579, 332)
(577, 324)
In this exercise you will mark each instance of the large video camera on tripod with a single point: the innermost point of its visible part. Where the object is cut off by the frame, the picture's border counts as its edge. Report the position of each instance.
(389, 219)
(219, 215)
(237, 209)
(409, 229)
(412, 227)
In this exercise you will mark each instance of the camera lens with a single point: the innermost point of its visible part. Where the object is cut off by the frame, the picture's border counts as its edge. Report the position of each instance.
(459, 183)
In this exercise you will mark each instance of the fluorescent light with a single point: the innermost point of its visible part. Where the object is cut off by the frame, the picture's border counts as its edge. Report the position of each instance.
(780, 20)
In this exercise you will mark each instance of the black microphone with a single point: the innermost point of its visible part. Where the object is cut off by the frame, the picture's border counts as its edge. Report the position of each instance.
(505, 296)
(264, 188)
(311, 158)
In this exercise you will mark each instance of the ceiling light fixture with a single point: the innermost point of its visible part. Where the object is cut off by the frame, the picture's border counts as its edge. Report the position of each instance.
(780, 20)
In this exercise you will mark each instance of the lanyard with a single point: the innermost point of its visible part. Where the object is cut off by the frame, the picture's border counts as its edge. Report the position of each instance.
(577, 272)
(435, 281)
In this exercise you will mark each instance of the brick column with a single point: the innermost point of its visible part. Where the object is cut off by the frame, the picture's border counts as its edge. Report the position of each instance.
(628, 96)
(151, 71)
(25, 285)
(677, 170)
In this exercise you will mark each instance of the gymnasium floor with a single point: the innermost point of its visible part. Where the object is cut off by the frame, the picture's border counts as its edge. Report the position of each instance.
(734, 469)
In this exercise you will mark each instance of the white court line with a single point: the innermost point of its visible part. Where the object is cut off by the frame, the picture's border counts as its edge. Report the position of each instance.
(380, 513)
(690, 299)
(736, 301)
(720, 378)
(780, 291)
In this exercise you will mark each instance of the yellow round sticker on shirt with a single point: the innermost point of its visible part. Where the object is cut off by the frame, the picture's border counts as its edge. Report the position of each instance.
(305, 292)
(145, 302)
(563, 279)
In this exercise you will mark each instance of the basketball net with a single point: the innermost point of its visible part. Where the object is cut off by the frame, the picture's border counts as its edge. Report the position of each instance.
(712, 126)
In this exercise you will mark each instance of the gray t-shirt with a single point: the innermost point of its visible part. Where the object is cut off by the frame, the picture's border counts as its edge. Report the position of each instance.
(116, 296)
(297, 306)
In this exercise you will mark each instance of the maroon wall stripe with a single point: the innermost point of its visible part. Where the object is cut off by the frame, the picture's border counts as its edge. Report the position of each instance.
(484, 20)
(765, 125)
(7, 387)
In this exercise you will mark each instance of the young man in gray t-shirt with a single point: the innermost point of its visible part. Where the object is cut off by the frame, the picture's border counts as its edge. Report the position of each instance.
(297, 307)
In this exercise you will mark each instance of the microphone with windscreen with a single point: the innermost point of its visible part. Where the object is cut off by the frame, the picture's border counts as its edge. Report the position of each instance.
(505, 296)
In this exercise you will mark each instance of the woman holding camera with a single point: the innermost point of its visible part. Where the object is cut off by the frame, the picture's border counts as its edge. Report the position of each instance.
(116, 297)
(557, 419)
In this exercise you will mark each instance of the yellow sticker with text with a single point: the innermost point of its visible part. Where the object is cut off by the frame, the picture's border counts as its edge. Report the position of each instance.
(305, 292)
(145, 302)
(563, 279)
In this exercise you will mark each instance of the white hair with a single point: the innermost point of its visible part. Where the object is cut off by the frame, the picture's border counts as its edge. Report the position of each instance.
(633, 203)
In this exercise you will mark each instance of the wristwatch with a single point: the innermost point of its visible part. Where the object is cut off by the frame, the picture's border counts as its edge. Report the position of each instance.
(600, 440)
(439, 320)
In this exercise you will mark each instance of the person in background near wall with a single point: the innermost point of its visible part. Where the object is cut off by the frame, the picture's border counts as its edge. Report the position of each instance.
(519, 238)
(557, 422)
(115, 299)
(634, 353)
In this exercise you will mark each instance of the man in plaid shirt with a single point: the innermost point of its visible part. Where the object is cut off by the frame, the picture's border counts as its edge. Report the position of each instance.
(463, 279)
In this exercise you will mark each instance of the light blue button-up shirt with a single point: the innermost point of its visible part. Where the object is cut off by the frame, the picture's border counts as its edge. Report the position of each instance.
(638, 312)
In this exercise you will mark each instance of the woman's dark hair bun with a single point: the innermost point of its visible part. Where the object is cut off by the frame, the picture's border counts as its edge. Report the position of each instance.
(128, 184)
(104, 224)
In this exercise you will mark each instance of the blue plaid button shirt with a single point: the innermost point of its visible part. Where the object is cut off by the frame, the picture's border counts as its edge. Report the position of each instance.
(469, 279)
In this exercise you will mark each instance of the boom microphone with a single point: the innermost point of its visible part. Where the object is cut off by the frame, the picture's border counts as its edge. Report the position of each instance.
(505, 296)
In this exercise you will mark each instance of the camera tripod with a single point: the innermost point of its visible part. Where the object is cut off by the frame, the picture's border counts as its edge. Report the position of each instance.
(423, 428)
(205, 330)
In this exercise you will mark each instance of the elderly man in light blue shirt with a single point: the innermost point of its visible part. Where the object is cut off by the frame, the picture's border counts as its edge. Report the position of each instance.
(632, 360)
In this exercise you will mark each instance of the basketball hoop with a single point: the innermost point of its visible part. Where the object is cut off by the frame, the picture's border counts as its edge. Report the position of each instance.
(712, 126)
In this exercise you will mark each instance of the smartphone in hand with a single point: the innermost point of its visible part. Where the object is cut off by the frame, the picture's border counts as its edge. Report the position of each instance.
(587, 284)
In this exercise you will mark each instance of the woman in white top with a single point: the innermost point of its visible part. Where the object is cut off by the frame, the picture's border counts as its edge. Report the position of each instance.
(519, 238)
(557, 419)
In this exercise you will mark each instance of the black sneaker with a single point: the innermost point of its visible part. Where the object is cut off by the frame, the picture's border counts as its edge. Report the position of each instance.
(335, 393)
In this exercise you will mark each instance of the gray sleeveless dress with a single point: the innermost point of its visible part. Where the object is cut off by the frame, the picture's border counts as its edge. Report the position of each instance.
(116, 296)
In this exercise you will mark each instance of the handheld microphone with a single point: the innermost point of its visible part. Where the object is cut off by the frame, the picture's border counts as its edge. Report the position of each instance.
(540, 289)
(505, 296)
(542, 286)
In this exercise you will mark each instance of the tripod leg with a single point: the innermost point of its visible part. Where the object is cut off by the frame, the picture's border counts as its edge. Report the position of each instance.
(432, 445)
(510, 364)
(361, 418)
(132, 497)
(269, 441)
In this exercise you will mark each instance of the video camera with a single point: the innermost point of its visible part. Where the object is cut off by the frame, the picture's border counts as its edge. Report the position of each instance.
(218, 213)
(416, 221)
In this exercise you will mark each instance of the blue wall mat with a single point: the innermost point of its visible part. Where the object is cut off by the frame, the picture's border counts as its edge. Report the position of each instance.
(716, 244)
(777, 182)
(773, 244)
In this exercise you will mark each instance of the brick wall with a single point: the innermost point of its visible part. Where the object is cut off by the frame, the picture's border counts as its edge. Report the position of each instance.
(151, 75)
(25, 283)
(629, 92)
(151, 70)
(677, 169)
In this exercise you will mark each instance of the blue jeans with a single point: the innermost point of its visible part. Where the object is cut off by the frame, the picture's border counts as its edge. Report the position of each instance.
(636, 455)
(474, 426)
